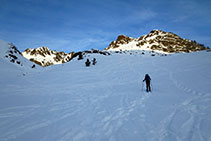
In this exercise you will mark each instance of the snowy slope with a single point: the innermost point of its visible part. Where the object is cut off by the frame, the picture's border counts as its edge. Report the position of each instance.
(107, 102)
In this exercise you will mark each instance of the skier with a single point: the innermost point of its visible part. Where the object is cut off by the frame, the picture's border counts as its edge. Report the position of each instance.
(147, 79)
(94, 61)
(87, 63)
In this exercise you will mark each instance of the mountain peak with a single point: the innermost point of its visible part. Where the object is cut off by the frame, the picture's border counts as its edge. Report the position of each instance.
(43, 56)
(121, 39)
(156, 40)
(43, 48)
(157, 32)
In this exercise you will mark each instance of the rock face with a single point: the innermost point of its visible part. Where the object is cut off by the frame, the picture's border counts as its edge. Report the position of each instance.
(13, 54)
(43, 56)
(10, 53)
(156, 40)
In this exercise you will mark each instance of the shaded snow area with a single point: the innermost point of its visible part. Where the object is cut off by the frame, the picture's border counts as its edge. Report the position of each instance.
(108, 102)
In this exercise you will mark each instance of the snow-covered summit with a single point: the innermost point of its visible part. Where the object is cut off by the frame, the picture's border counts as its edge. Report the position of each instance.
(43, 56)
(156, 40)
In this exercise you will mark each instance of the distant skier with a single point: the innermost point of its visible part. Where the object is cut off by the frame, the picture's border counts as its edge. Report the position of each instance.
(87, 63)
(147, 79)
(94, 61)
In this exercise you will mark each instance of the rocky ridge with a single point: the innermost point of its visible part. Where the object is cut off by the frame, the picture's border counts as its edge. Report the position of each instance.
(156, 40)
(13, 54)
(43, 56)
(9, 52)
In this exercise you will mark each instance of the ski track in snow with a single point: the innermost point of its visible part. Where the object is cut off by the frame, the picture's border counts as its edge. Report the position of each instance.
(191, 122)
(105, 102)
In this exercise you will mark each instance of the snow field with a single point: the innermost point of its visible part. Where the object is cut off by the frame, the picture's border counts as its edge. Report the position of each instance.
(107, 101)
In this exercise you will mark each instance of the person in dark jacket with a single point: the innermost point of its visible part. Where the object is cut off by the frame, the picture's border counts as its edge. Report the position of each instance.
(94, 61)
(147, 79)
(87, 63)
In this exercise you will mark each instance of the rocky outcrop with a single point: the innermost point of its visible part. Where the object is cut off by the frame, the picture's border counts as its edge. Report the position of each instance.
(80, 55)
(43, 56)
(156, 40)
(11, 54)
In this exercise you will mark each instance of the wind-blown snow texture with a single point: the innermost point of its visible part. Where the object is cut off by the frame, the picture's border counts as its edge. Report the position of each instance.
(106, 102)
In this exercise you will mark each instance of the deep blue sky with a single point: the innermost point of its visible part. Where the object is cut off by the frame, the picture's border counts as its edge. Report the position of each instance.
(73, 25)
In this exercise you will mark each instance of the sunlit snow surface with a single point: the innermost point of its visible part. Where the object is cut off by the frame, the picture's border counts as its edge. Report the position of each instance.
(108, 102)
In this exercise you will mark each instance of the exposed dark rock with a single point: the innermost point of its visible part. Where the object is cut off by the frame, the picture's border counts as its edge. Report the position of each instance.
(13, 56)
(44, 52)
(82, 54)
(161, 41)
(36, 62)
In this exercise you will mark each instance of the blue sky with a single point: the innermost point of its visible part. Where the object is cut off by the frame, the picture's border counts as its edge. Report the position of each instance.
(74, 25)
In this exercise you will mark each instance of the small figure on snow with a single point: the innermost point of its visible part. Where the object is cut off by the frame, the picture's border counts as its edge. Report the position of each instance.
(80, 56)
(33, 66)
(94, 61)
(87, 63)
(147, 79)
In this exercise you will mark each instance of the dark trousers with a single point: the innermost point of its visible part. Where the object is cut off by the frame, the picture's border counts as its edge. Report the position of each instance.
(148, 86)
